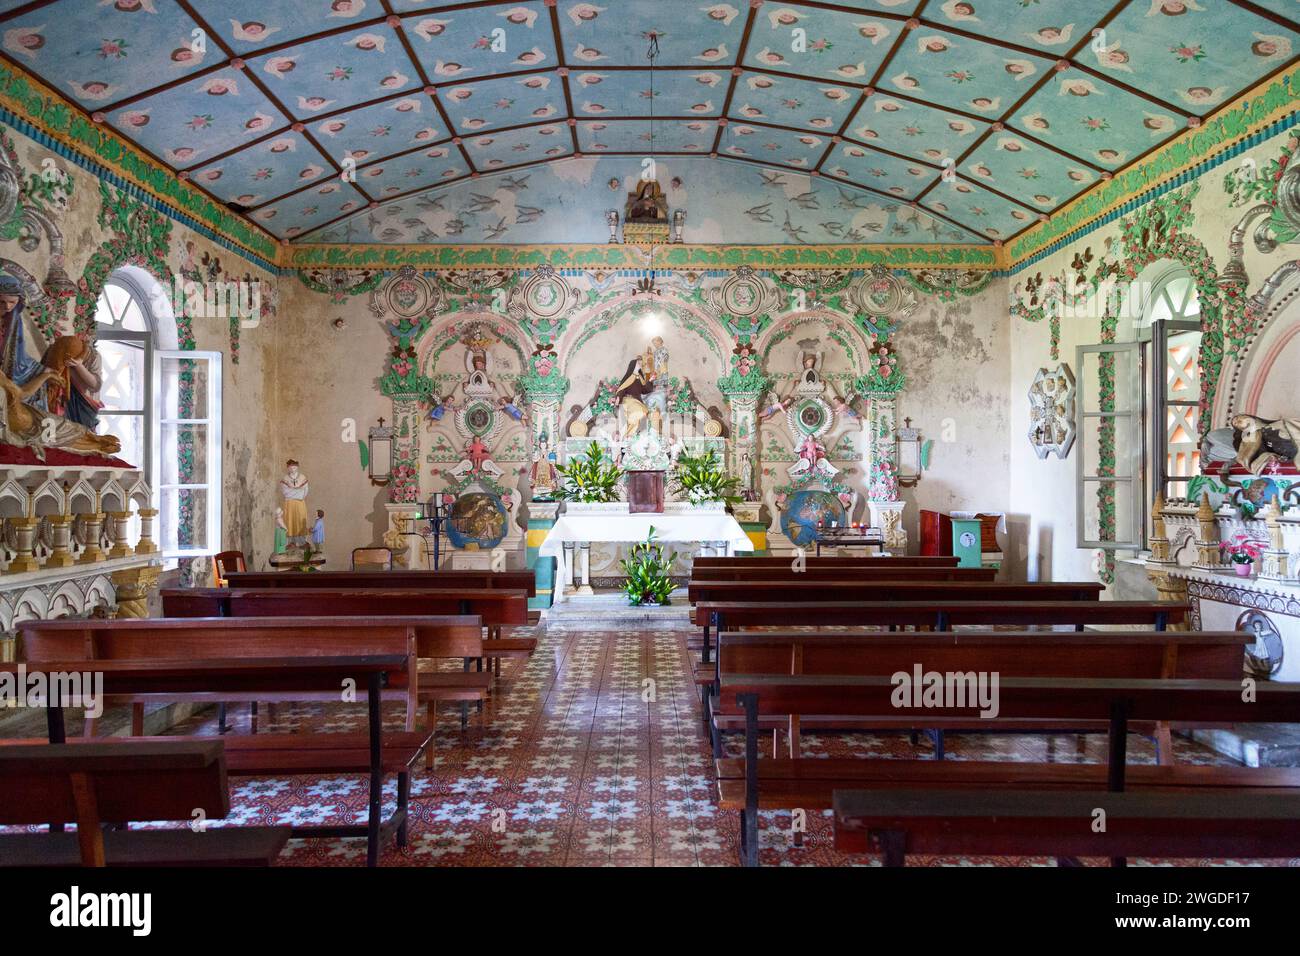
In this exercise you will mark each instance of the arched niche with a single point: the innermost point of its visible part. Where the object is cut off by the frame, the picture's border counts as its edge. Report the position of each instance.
(1262, 379)
(599, 343)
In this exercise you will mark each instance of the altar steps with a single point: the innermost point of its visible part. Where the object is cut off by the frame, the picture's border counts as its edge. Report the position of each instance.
(608, 610)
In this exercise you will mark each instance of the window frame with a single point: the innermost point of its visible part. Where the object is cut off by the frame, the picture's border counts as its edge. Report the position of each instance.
(1158, 454)
(1132, 416)
(212, 482)
(111, 333)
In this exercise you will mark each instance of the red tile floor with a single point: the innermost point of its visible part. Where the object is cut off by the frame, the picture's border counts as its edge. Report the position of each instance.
(584, 762)
(591, 754)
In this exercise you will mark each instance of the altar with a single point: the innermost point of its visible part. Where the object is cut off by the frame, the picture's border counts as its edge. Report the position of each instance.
(570, 539)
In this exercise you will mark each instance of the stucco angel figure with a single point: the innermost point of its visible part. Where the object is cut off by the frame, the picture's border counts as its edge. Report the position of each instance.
(812, 459)
(28, 426)
(477, 460)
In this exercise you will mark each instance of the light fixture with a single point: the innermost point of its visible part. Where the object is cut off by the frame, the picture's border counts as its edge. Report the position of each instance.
(381, 453)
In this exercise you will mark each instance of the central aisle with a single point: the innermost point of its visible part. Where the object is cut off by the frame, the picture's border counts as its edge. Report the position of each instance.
(575, 768)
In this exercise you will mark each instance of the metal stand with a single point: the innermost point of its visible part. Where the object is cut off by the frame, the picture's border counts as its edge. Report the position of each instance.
(437, 517)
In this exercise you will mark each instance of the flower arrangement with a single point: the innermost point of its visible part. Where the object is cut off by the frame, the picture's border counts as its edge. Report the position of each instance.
(1243, 551)
(647, 570)
(592, 478)
(701, 478)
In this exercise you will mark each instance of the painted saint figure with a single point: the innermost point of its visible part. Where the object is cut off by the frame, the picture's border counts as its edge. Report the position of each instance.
(293, 487)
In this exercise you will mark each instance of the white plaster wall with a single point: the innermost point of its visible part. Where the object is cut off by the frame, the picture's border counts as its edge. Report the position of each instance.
(1043, 493)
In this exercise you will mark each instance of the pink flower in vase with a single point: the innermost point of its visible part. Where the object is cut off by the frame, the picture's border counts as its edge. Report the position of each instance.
(544, 367)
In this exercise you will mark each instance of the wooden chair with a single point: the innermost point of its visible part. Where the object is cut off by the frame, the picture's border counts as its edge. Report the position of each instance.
(225, 562)
(377, 559)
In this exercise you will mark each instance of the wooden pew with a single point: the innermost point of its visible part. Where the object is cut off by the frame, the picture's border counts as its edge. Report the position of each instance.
(1097, 654)
(1055, 699)
(795, 588)
(94, 784)
(375, 752)
(497, 607)
(865, 574)
(388, 580)
(197, 638)
(768, 561)
(772, 594)
(435, 638)
(1232, 819)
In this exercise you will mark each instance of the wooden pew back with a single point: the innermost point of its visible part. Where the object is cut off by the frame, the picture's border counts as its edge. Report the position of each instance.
(1117, 654)
(126, 782)
(863, 574)
(1053, 698)
(795, 590)
(939, 613)
(768, 561)
(388, 580)
(496, 607)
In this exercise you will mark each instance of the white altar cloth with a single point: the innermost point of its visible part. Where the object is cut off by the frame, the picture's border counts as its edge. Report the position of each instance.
(695, 528)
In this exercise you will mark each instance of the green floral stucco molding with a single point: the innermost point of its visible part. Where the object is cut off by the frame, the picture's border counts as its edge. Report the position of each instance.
(619, 256)
(51, 114)
(1254, 111)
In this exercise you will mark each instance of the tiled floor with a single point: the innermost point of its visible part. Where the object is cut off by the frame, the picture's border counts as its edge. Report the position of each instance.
(591, 754)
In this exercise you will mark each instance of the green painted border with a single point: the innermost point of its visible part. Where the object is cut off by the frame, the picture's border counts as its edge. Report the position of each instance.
(1266, 103)
(621, 256)
(49, 113)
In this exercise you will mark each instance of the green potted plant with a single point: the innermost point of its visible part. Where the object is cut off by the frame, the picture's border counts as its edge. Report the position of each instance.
(648, 582)
(589, 479)
(701, 480)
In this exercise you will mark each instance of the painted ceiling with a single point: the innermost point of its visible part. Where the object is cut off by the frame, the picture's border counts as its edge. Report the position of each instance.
(861, 121)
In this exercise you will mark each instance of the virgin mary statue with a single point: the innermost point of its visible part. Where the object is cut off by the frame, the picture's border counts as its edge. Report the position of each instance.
(15, 363)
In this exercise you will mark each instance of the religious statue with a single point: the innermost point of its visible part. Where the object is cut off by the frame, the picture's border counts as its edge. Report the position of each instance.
(318, 532)
(477, 461)
(542, 474)
(634, 394)
(294, 488)
(281, 533)
(812, 459)
(656, 367)
(74, 391)
(1260, 442)
(15, 364)
(647, 204)
(30, 426)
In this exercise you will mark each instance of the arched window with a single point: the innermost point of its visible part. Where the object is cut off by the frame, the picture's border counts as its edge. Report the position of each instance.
(1171, 338)
(125, 342)
(1139, 409)
(165, 406)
